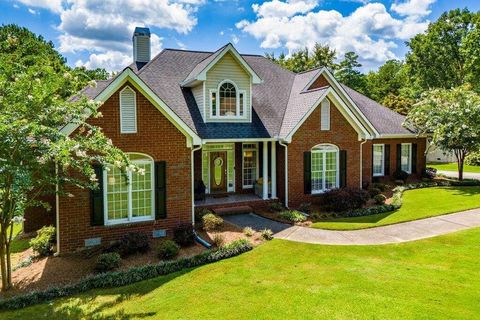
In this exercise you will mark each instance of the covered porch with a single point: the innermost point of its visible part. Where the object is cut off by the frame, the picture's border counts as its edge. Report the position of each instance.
(237, 172)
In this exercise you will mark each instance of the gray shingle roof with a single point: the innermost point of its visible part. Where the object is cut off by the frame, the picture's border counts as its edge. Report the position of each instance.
(279, 102)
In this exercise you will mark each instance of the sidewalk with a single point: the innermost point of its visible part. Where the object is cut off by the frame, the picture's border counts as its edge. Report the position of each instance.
(466, 175)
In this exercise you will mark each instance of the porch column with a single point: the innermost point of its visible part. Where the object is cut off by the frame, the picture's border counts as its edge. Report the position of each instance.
(265, 171)
(273, 165)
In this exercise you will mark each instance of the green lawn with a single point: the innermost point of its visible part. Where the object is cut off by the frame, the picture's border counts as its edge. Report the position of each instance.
(417, 204)
(435, 278)
(453, 167)
(18, 245)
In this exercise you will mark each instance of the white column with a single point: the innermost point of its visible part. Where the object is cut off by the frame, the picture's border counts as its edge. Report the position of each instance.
(273, 165)
(265, 171)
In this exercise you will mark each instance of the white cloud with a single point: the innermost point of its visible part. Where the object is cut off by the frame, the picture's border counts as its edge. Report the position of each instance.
(52, 5)
(32, 11)
(370, 31)
(413, 8)
(235, 39)
(111, 61)
(278, 8)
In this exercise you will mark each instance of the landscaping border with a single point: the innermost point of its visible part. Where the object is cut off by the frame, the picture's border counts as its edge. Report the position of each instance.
(132, 275)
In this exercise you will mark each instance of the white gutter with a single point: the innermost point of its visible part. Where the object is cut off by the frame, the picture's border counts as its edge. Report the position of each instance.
(193, 181)
(286, 171)
(361, 162)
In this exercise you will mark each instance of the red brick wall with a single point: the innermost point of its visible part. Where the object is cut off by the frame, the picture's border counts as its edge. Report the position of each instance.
(157, 137)
(37, 217)
(341, 134)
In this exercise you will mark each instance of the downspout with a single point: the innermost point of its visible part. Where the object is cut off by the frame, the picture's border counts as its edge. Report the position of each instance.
(193, 181)
(286, 171)
(361, 162)
(57, 212)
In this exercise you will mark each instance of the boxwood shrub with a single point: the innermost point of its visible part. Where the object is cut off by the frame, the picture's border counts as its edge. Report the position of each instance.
(132, 275)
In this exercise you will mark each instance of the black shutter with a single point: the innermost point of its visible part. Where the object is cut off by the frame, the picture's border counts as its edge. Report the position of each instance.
(160, 190)
(343, 168)
(399, 156)
(307, 172)
(414, 158)
(386, 161)
(96, 199)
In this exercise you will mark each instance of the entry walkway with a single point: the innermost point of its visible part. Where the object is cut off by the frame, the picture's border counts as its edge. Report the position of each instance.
(395, 233)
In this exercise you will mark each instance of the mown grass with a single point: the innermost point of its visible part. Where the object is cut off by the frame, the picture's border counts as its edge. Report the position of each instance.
(452, 166)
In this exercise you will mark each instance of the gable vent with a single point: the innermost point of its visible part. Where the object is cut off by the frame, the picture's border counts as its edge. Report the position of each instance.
(325, 115)
(141, 45)
(128, 111)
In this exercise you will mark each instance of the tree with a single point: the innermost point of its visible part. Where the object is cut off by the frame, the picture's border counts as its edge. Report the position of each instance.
(446, 55)
(323, 56)
(452, 117)
(389, 79)
(36, 158)
(398, 103)
(348, 74)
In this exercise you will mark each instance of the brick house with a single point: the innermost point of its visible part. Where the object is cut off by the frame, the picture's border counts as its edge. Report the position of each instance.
(241, 125)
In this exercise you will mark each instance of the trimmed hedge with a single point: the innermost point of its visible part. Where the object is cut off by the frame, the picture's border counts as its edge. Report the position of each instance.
(132, 275)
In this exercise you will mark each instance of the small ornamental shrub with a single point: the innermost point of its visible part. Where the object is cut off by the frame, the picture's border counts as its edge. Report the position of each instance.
(184, 235)
(133, 242)
(42, 244)
(168, 249)
(218, 240)
(429, 173)
(473, 159)
(200, 212)
(107, 262)
(276, 206)
(374, 191)
(211, 222)
(266, 234)
(343, 199)
(248, 231)
(305, 207)
(382, 186)
(379, 199)
(292, 215)
(400, 175)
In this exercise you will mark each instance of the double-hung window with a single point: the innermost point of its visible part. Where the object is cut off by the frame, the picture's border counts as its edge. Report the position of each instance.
(324, 168)
(250, 164)
(378, 160)
(406, 157)
(130, 196)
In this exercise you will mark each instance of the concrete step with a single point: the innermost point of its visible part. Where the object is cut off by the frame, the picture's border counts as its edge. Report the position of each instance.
(233, 210)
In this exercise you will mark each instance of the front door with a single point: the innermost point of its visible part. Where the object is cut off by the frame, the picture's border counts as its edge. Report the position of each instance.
(218, 171)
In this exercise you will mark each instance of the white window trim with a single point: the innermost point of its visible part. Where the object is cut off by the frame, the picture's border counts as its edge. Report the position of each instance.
(237, 101)
(130, 219)
(135, 109)
(337, 151)
(382, 173)
(325, 104)
(243, 165)
(409, 171)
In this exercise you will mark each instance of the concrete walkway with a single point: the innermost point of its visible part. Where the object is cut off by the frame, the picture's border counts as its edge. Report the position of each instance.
(395, 233)
(466, 175)
(255, 222)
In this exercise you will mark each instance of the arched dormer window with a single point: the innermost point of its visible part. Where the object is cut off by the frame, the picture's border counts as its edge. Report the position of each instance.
(325, 167)
(227, 101)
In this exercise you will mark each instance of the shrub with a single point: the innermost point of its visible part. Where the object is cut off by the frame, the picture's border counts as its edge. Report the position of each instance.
(429, 173)
(374, 191)
(131, 243)
(248, 231)
(292, 215)
(107, 262)
(211, 222)
(305, 207)
(168, 249)
(380, 199)
(184, 235)
(344, 199)
(42, 244)
(276, 206)
(382, 186)
(473, 159)
(126, 277)
(200, 212)
(266, 234)
(400, 175)
(218, 240)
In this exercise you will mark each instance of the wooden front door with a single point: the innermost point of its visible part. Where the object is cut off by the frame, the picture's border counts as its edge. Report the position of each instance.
(218, 171)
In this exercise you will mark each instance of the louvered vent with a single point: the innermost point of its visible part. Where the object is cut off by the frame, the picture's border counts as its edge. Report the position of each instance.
(128, 111)
(325, 115)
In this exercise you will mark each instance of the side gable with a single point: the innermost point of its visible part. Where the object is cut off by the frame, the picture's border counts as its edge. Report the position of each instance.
(127, 75)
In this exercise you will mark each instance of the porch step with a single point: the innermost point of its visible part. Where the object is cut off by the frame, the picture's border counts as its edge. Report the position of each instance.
(233, 210)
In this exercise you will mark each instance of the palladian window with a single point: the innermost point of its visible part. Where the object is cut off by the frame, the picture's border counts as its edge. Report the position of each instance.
(227, 101)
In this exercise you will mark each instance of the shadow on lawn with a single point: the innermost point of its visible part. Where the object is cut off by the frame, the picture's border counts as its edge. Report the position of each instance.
(465, 190)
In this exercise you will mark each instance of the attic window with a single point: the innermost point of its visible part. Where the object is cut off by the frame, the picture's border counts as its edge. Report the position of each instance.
(227, 101)
(128, 111)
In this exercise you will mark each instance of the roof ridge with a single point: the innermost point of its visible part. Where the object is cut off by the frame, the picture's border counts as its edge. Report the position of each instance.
(150, 62)
(310, 70)
(288, 100)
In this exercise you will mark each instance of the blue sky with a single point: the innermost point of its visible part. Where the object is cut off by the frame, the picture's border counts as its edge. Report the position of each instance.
(97, 33)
